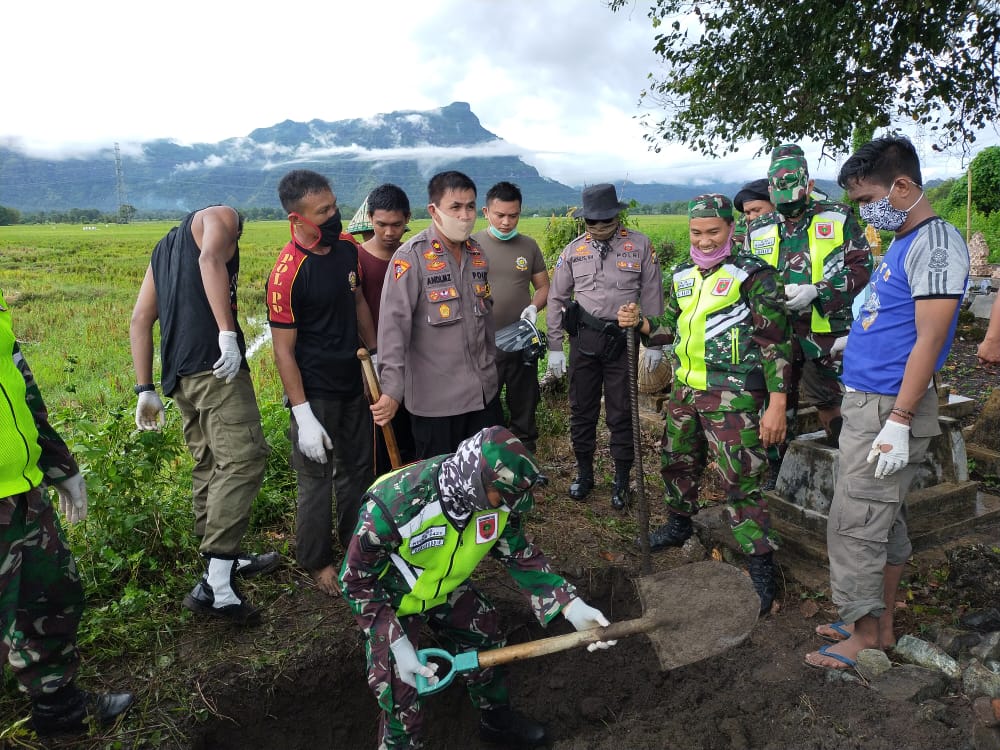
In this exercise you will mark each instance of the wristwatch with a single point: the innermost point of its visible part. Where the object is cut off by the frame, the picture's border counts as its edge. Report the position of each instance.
(144, 388)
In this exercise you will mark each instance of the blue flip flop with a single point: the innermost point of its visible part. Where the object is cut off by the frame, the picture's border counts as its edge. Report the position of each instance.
(825, 651)
(837, 627)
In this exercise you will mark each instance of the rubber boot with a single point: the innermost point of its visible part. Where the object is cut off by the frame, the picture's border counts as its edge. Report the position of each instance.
(677, 530)
(620, 493)
(583, 483)
(504, 725)
(762, 575)
(774, 466)
(248, 566)
(216, 594)
(70, 709)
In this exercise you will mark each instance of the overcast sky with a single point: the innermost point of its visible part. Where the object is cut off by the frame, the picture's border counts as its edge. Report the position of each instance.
(557, 79)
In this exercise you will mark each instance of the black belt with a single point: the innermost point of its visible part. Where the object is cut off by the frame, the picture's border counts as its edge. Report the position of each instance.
(608, 327)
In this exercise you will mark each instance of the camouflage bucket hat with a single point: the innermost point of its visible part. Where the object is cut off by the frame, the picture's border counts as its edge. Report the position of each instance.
(788, 175)
(710, 205)
(507, 464)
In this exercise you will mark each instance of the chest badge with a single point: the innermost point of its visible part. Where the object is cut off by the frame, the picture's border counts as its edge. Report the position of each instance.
(444, 311)
(436, 265)
(487, 527)
(521, 264)
(824, 229)
(722, 287)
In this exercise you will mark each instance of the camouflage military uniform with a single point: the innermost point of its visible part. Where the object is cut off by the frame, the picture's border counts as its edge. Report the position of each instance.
(844, 272)
(41, 599)
(725, 359)
(417, 541)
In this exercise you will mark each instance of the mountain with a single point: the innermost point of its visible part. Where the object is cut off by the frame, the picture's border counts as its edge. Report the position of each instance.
(404, 147)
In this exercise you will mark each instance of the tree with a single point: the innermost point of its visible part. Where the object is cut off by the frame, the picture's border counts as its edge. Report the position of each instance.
(815, 68)
(985, 170)
(9, 216)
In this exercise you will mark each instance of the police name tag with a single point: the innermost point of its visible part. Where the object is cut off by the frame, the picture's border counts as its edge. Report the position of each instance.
(432, 537)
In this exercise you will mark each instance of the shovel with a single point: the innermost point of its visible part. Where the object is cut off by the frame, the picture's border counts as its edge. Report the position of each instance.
(689, 613)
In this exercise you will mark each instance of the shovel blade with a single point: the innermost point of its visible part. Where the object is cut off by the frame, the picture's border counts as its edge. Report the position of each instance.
(701, 609)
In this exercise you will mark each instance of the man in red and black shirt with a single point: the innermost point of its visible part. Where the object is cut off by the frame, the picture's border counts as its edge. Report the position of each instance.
(317, 312)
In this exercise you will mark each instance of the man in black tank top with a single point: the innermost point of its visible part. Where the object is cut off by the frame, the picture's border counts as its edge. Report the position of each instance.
(190, 287)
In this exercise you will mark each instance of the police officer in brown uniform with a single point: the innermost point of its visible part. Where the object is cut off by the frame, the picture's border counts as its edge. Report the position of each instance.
(436, 335)
(598, 272)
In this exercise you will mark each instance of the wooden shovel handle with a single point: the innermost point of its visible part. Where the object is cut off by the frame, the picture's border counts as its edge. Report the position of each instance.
(374, 393)
(543, 646)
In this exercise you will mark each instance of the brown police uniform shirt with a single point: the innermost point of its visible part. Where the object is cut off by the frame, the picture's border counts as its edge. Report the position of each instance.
(436, 337)
(512, 264)
(629, 273)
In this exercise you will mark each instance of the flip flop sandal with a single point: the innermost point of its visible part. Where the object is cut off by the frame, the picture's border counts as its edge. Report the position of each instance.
(837, 627)
(825, 651)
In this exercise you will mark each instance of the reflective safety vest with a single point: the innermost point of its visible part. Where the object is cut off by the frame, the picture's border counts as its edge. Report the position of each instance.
(715, 328)
(435, 558)
(19, 448)
(826, 236)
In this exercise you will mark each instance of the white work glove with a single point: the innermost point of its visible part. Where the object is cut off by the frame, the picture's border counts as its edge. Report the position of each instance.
(229, 363)
(895, 437)
(651, 359)
(530, 314)
(149, 411)
(584, 617)
(557, 363)
(800, 296)
(313, 440)
(374, 358)
(408, 664)
(73, 498)
(839, 345)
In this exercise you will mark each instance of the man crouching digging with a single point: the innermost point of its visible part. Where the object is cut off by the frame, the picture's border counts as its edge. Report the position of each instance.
(421, 534)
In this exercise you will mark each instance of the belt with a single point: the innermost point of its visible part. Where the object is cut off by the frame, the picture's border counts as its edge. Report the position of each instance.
(594, 323)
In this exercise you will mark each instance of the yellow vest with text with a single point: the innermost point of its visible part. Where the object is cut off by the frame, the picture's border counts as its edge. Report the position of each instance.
(19, 448)
(714, 345)
(826, 236)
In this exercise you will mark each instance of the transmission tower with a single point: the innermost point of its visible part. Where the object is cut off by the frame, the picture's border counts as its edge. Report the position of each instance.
(124, 214)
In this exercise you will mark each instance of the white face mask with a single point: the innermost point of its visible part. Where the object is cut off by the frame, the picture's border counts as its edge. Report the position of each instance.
(456, 230)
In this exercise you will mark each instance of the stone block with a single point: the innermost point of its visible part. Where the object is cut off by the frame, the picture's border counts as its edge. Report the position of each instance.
(978, 680)
(909, 682)
(927, 655)
(988, 648)
(872, 662)
(982, 305)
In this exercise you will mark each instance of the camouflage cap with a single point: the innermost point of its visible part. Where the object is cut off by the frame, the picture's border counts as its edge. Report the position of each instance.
(507, 464)
(709, 205)
(788, 175)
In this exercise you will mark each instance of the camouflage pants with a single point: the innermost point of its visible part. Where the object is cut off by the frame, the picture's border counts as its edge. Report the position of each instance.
(466, 622)
(721, 427)
(41, 598)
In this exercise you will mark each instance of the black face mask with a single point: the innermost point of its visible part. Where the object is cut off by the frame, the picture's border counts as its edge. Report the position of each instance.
(329, 230)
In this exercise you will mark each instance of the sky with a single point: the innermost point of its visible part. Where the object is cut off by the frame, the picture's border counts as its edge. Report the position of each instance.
(559, 80)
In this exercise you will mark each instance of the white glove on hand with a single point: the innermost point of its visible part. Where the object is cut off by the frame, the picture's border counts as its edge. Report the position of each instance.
(839, 344)
(530, 314)
(557, 363)
(73, 498)
(800, 296)
(313, 440)
(408, 664)
(229, 363)
(651, 359)
(895, 437)
(149, 411)
(584, 617)
(374, 358)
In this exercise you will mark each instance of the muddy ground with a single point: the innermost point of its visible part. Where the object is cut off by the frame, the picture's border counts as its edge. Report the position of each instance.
(298, 680)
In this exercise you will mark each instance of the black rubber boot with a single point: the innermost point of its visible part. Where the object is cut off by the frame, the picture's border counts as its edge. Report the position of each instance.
(248, 566)
(677, 530)
(583, 483)
(70, 709)
(621, 496)
(507, 726)
(774, 466)
(202, 596)
(762, 575)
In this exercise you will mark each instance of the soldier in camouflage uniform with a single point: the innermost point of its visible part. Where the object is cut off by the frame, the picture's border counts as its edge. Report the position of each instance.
(421, 533)
(41, 598)
(825, 261)
(726, 317)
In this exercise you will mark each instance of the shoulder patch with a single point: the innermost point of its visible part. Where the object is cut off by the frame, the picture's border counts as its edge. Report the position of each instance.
(399, 267)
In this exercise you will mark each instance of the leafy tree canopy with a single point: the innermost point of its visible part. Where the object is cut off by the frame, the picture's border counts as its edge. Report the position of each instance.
(985, 170)
(815, 68)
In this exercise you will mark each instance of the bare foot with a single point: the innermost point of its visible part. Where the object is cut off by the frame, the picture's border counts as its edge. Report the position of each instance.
(326, 580)
(840, 655)
(840, 631)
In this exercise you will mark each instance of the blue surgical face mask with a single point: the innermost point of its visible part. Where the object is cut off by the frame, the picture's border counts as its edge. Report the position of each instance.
(881, 214)
(502, 236)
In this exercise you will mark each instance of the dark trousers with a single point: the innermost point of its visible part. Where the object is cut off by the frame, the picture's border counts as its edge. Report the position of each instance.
(433, 436)
(588, 375)
(348, 471)
(521, 395)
